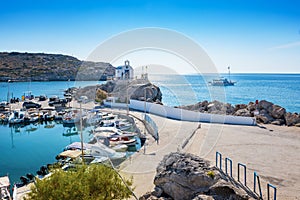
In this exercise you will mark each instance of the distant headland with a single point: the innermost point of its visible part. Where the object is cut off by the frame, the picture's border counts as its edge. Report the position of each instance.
(17, 66)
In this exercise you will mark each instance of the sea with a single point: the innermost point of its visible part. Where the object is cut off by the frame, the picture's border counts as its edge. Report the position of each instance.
(26, 149)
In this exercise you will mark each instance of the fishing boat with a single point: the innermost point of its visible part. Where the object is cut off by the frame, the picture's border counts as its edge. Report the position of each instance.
(222, 81)
(4, 188)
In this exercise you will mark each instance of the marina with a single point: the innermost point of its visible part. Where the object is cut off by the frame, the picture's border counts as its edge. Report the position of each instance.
(47, 136)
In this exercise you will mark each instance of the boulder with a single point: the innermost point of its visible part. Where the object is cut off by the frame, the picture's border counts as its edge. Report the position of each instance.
(251, 106)
(216, 107)
(265, 105)
(229, 109)
(108, 86)
(278, 122)
(203, 197)
(243, 112)
(186, 176)
(148, 90)
(240, 106)
(277, 112)
(291, 118)
(264, 117)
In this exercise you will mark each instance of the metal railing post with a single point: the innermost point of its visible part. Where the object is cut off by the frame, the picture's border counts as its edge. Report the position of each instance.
(268, 191)
(256, 177)
(219, 155)
(226, 171)
(245, 175)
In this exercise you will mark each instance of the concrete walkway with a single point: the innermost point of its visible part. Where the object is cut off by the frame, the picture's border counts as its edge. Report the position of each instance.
(142, 165)
(271, 151)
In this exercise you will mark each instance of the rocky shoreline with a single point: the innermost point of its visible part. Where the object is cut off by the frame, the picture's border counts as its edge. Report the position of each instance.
(264, 111)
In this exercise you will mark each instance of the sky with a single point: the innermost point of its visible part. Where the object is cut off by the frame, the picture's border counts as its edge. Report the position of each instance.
(251, 36)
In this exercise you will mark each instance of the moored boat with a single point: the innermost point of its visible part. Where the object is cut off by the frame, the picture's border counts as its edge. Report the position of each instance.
(4, 188)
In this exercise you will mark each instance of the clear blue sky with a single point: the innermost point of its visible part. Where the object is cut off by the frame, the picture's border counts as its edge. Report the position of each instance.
(250, 36)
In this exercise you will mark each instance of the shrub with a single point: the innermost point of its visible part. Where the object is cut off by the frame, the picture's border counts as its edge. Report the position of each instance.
(211, 174)
(83, 183)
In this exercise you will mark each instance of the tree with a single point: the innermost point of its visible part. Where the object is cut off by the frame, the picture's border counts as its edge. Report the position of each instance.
(83, 183)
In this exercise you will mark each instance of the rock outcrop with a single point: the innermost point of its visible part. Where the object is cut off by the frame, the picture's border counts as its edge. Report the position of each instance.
(50, 67)
(186, 176)
(268, 113)
(136, 89)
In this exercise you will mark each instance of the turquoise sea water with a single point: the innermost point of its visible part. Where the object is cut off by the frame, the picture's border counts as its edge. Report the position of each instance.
(281, 89)
(24, 151)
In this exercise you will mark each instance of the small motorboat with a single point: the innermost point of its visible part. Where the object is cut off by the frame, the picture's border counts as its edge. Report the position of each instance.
(127, 139)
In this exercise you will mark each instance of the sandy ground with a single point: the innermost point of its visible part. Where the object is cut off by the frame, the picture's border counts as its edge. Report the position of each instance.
(271, 151)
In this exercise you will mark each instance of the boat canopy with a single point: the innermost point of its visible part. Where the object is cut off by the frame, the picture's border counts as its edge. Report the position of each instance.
(4, 181)
(70, 153)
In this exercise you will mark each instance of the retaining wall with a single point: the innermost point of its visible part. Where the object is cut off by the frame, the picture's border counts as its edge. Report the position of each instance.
(186, 115)
(181, 114)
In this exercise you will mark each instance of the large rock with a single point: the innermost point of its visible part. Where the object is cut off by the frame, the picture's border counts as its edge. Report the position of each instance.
(264, 117)
(148, 90)
(277, 112)
(243, 112)
(292, 118)
(186, 176)
(251, 107)
(240, 106)
(265, 105)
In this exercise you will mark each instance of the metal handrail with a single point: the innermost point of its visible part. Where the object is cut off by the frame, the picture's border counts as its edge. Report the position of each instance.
(230, 161)
(268, 191)
(256, 177)
(219, 155)
(245, 171)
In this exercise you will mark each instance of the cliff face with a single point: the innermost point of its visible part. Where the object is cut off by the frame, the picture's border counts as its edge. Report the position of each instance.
(50, 67)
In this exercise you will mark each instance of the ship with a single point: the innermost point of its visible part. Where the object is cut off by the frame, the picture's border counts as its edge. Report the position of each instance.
(222, 81)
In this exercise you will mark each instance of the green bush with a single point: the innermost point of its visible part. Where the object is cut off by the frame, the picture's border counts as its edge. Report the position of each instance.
(84, 183)
(211, 174)
(100, 95)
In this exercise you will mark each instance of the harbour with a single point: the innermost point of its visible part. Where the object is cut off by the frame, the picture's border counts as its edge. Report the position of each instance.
(34, 144)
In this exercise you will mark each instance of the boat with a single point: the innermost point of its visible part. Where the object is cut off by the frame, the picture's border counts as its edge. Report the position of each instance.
(16, 117)
(127, 139)
(49, 126)
(222, 81)
(31, 128)
(120, 148)
(4, 188)
(71, 131)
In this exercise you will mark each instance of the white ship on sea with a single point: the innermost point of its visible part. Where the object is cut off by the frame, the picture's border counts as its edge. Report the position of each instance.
(222, 81)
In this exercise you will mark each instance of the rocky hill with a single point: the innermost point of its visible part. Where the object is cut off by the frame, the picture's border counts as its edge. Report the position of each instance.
(50, 67)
